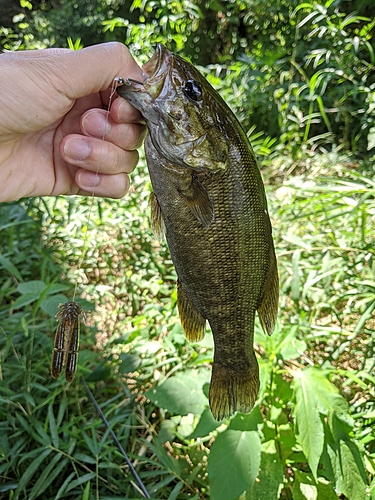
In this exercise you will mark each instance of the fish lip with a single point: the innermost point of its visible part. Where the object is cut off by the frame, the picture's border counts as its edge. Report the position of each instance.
(154, 73)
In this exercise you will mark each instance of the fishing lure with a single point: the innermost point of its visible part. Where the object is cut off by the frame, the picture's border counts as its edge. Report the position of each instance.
(65, 350)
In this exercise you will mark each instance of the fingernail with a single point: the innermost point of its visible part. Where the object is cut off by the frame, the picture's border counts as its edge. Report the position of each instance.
(96, 124)
(88, 180)
(77, 149)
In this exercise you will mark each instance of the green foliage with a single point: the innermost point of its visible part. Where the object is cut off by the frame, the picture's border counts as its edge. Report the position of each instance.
(233, 463)
(302, 73)
(301, 78)
(310, 435)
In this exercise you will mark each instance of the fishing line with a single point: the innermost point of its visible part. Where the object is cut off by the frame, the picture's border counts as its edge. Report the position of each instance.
(114, 437)
(86, 231)
(70, 314)
(67, 334)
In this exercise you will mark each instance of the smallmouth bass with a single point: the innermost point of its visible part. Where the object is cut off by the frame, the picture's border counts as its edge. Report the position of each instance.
(208, 197)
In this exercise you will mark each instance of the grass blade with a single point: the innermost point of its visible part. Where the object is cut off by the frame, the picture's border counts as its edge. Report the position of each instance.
(30, 471)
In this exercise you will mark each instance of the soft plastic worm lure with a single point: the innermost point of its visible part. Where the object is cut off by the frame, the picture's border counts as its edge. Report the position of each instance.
(65, 350)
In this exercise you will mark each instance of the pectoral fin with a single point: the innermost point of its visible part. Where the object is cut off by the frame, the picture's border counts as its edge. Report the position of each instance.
(192, 321)
(268, 308)
(199, 201)
(157, 221)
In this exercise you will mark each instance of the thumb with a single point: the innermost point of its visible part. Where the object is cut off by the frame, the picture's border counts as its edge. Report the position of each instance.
(93, 69)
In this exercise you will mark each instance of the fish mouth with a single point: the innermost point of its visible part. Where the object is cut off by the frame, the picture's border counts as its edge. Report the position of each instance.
(156, 70)
(154, 73)
(158, 64)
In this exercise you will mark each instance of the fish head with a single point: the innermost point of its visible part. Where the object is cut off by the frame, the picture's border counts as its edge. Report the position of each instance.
(186, 117)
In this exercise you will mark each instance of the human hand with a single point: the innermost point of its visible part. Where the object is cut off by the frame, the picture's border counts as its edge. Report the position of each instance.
(56, 136)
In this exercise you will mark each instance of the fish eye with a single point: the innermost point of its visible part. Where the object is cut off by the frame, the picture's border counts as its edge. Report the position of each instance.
(193, 90)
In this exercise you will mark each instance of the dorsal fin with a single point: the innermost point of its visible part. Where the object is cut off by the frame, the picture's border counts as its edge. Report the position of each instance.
(268, 308)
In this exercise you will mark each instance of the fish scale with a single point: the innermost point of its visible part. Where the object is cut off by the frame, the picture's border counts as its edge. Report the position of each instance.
(209, 196)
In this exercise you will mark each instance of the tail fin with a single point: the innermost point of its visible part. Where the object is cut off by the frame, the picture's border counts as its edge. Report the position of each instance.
(233, 390)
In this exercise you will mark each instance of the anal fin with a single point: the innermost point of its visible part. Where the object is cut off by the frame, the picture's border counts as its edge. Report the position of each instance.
(193, 323)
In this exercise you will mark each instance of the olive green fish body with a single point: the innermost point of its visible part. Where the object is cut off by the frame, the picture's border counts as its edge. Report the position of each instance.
(209, 197)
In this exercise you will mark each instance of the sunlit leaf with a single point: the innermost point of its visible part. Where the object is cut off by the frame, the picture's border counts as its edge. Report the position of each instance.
(309, 425)
(348, 469)
(269, 480)
(206, 424)
(35, 287)
(233, 463)
(182, 393)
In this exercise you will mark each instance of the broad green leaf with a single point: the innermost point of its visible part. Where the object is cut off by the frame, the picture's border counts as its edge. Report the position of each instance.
(326, 490)
(50, 305)
(348, 469)
(206, 424)
(305, 488)
(167, 431)
(327, 398)
(24, 300)
(247, 422)
(303, 491)
(309, 425)
(182, 393)
(293, 349)
(269, 480)
(186, 425)
(129, 363)
(233, 463)
(35, 287)
(55, 288)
